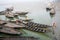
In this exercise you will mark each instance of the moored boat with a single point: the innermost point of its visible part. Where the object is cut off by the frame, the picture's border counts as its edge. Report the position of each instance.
(9, 30)
(22, 13)
(37, 24)
(12, 25)
(37, 27)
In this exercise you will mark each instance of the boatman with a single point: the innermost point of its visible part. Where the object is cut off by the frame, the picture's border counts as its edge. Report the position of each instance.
(50, 6)
(52, 11)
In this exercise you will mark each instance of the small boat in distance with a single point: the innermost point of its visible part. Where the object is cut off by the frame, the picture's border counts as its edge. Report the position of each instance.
(22, 13)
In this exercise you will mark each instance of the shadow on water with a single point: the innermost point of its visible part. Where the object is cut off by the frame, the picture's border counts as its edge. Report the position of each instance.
(7, 35)
(52, 15)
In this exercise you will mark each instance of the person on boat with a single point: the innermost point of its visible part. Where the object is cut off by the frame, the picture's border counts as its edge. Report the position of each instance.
(52, 11)
(50, 6)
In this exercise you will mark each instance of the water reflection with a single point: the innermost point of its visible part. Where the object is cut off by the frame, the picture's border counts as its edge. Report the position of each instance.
(52, 16)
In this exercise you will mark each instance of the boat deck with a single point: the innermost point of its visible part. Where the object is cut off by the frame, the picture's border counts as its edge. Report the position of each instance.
(12, 25)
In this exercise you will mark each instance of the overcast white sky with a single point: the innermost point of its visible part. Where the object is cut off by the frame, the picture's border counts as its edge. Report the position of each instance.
(14, 1)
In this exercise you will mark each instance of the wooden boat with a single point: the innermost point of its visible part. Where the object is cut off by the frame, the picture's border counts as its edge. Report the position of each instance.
(9, 30)
(37, 24)
(12, 25)
(37, 27)
(22, 13)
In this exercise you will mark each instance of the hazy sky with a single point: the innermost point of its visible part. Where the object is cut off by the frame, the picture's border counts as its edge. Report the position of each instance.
(14, 1)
